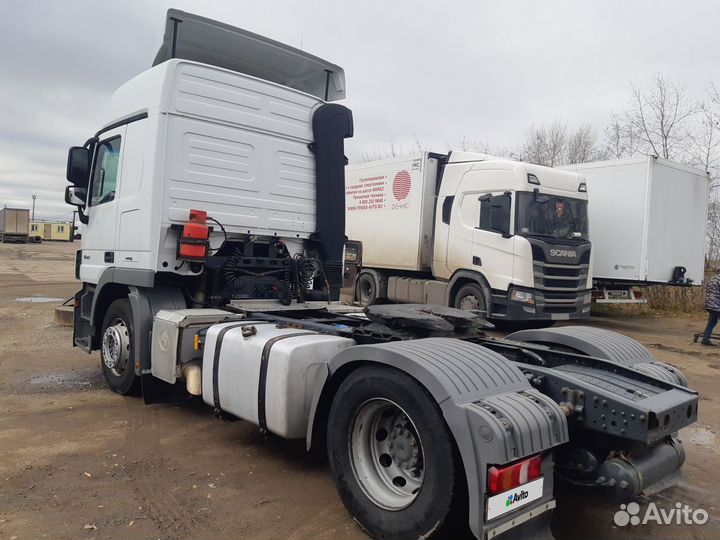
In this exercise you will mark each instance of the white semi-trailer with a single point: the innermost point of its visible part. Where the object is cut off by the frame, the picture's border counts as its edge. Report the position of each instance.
(14, 224)
(649, 217)
(212, 203)
(469, 231)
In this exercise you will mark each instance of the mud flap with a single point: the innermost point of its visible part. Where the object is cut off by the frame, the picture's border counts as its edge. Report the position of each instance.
(493, 413)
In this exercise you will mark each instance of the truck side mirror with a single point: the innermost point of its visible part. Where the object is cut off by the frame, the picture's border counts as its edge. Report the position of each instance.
(78, 166)
(75, 196)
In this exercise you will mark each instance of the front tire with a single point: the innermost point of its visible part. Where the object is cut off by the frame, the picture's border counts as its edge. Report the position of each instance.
(472, 297)
(117, 348)
(393, 459)
(366, 289)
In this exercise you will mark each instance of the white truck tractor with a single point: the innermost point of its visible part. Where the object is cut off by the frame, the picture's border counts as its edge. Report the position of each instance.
(469, 231)
(213, 207)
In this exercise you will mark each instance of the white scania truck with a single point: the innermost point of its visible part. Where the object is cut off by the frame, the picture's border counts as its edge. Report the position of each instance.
(212, 203)
(469, 231)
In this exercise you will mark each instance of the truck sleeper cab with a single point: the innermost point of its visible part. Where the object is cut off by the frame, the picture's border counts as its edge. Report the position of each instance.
(470, 231)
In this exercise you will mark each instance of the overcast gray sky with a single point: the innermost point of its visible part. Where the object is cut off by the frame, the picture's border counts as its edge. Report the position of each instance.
(436, 70)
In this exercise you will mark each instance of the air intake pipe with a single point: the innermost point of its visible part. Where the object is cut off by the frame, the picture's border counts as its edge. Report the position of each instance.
(332, 124)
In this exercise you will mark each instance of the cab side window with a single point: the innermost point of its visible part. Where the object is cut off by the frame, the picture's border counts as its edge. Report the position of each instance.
(495, 213)
(105, 171)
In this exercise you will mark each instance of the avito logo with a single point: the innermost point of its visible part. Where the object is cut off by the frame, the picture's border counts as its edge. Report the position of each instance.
(515, 497)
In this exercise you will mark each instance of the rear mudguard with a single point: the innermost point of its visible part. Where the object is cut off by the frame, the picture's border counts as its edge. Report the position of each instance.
(493, 413)
(604, 344)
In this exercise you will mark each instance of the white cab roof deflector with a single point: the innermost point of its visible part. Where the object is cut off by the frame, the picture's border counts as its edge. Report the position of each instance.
(210, 42)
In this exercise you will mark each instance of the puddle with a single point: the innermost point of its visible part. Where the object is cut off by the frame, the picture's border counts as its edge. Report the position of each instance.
(83, 379)
(38, 299)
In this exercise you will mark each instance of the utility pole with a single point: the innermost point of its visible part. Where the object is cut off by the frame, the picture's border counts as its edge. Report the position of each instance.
(33, 210)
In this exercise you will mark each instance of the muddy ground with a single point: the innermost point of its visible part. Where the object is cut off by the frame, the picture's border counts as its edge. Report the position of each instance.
(77, 461)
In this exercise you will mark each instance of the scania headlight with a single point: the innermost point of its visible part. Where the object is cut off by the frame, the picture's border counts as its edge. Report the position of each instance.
(525, 297)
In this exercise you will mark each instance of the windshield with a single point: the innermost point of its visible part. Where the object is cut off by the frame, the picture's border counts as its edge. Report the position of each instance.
(551, 216)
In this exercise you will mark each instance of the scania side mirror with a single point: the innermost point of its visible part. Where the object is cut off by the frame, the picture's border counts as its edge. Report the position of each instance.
(78, 166)
(75, 196)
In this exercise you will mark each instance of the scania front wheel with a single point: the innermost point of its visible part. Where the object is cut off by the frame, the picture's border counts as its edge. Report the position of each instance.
(395, 464)
(117, 349)
(366, 289)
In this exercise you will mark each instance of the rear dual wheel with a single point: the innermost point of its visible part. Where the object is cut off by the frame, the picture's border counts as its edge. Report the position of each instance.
(393, 459)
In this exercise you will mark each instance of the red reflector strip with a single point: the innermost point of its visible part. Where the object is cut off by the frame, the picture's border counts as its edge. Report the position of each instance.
(504, 478)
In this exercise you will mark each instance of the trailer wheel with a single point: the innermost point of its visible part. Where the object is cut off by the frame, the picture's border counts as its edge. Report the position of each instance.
(366, 289)
(393, 459)
(472, 297)
(117, 351)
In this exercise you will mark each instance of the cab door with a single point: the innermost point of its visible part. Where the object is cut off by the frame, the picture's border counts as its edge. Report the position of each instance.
(101, 232)
(492, 244)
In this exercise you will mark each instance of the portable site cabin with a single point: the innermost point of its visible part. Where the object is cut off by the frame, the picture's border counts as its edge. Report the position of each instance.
(61, 231)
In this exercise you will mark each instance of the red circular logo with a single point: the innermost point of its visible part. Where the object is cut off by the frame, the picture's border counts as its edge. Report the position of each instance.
(401, 185)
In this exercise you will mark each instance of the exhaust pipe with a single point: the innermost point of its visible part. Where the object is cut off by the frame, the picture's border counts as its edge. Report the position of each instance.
(627, 477)
(192, 373)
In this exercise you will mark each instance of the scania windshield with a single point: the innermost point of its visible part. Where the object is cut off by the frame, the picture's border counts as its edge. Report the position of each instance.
(551, 216)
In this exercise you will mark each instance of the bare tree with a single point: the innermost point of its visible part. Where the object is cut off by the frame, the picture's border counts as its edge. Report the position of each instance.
(535, 147)
(712, 246)
(481, 147)
(582, 146)
(662, 119)
(617, 145)
(392, 149)
(557, 139)
(555, 145)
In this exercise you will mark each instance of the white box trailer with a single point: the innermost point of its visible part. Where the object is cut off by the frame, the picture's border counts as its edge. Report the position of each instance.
(648, 219)
(374, 192)
(14, 224)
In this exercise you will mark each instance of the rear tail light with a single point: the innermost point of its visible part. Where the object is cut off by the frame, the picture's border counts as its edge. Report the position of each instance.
(193, 240)
(504, 478)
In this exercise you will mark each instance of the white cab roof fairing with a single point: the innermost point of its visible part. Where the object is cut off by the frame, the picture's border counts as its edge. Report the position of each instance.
(552, 181)
(196, 38)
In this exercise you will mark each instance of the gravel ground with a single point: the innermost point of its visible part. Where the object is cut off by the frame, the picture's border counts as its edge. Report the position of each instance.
(77, 461)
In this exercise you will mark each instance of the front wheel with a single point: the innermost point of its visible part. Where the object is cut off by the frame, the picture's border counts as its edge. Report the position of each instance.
(366, 289)
(117, 350)
(472, 297)
(393, 459)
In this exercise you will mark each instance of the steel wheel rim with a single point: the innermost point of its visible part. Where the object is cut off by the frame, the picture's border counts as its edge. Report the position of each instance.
(116, 347)
(471, 302)
(386, 454)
